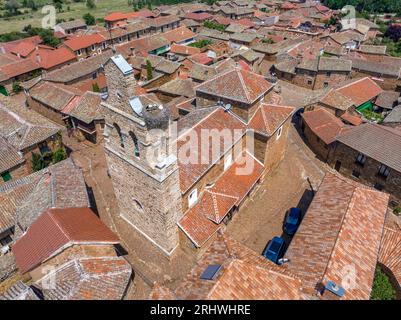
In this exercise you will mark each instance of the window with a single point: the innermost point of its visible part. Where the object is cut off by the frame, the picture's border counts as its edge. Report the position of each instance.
(6, 240)
(93, 47)
(193, 197)
(116, 126)
(378, 186)
(361, 159)
(325, 84)
(328, 74)
(309, 82)
(104, 45)
(228, 160)
(79, 52)
(136, 144)
(279, 132)
(94, 75)
(6, 176)
(384, 171)
(356, 173)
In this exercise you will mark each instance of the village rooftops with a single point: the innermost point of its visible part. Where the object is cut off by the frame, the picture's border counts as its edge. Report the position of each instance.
(77, 70)
(331, 243)
(10, 157)
(236, 85)
(83, 41)
(326, 64)
(59, 229)
(373, 49)
(324, 124)
(18, 68)
(23, 128)
(59, 186)
(241, 274)
(377, 142)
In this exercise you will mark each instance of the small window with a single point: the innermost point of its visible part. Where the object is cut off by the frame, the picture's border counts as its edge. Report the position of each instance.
(94, 75)
(6, 176)
(379, 186)
(120, 135)
(309, 82)
(325, 84)
(328, 74)
(136, 144)
(193, 197)
(356, 173)
(279, 132)
(384, 171)
(361, 159)
(93, 47)
(6, 240)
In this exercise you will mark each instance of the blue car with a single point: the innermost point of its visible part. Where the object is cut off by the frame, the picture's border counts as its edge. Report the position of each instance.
(274, 250)
(293, 221)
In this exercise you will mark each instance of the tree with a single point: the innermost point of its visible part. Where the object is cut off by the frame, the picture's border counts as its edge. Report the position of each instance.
(394, 33)
(382, 288)
(89, 19)
(12, 6)
(16, 87)
(90, 4)
(149, 70)
(95, 87)
(59, 155)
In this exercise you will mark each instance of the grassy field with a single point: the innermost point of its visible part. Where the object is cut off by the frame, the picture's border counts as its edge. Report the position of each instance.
(77, 10)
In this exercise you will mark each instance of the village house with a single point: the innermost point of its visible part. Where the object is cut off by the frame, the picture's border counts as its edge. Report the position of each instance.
(161, 24)
(87, 45)
(370, 153)
(23, 200)
(118, 19)
(16, 72)
(321, 128)
(70, 27)
(314, 74)
(23, 132)
(357, 95)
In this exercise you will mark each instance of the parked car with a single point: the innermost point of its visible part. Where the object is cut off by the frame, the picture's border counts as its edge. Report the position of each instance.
(293, 221)
(274, 250)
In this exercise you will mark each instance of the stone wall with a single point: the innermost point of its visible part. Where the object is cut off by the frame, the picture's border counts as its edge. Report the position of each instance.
(45, 111)
(368, 173)
(317, 145)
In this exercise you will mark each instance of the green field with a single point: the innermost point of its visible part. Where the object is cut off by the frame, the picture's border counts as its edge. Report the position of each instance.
(77, 10)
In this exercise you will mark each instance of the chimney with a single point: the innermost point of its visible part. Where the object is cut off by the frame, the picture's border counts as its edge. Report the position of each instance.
(38, 58)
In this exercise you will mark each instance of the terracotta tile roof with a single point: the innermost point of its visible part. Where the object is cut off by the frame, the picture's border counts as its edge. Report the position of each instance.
(23, 127)
(224, 21)
(83, 41)
(387, 99)
(332, 244)
(352, 119)
(57, 229)
(218, 120)
(87, 108)
(7, 47)
(59, 186)
(201, 58)
(23, 49)
(104, 278)
(184, 50)
(178, 87)
(145, 44)
(17, 68)
(49, 59)
(360, 91)
(87, 84)
(9, 156)
(115, 16)
(238, 85)
(179, 34)
(203, 16)
(244, 275)
(205, 218)
(201, 72)
(162, 21)
(375, 141)
(323, 124)
(79, 69)
(268, 118)
(55, 96)
(337, 100)
(390, 251)
(7, 58)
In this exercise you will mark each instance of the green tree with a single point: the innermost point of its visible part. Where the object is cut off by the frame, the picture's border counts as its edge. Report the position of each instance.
(90, 4)
(89, 19)
(59, 155)
(382, 288)
(12, 6)
(95, 87)
(17, 87)
(149, 70)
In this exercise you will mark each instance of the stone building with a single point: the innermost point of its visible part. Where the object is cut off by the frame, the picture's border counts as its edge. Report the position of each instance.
(140, 158)
(370, 153)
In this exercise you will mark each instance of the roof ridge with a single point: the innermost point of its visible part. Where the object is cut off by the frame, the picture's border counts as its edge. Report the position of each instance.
(242, 81)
